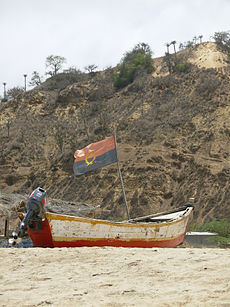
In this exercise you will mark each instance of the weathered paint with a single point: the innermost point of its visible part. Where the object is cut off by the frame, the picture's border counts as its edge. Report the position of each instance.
(69, 231)
(121, 243)
(41, 238)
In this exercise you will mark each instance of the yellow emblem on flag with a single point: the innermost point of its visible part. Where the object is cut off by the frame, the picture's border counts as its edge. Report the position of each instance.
(89, 155)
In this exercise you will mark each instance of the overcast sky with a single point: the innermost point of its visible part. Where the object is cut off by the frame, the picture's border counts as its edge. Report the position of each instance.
(97, 31)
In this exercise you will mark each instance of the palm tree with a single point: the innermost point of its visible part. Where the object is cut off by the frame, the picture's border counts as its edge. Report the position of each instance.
(181, 46)
(200, 37)
(173, 43)
(195, 39)
(167, 45)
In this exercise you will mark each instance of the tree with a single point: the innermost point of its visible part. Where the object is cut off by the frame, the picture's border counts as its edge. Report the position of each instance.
(143, 48)
(91, 69)
(167, 45)
(195, 39)
(134, 61)
(200, 38)
(54, 62)
(189, 44)
(72, 70)
(174, 45)
(181, 46)
(14, 92)
(139, 49)
(222, 39)
(36, 79)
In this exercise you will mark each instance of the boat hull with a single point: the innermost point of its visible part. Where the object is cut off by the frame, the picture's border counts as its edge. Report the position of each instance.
(121, 243)
(69, 231)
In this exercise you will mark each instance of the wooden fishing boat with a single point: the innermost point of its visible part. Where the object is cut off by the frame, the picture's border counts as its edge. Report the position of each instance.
(166, 229)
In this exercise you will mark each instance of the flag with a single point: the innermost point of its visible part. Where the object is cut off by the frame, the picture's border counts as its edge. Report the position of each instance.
(95, 155)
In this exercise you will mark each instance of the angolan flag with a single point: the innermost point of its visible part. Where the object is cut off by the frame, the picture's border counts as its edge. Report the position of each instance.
(95, 155)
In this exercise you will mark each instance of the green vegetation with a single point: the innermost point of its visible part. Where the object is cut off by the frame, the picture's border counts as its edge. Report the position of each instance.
(196, 40)
(222, 39)
(185, 67)
(221, 227)
(134, 61)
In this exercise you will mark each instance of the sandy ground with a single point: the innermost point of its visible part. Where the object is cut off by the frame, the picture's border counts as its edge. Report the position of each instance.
(114, 277)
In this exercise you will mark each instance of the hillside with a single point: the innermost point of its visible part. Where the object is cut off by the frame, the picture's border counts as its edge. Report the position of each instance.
(173, 135)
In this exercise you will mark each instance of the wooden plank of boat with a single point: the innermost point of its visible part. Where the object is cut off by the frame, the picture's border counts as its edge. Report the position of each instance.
(69, 231)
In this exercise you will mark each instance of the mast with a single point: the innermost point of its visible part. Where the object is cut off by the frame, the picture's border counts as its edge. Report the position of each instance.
(121, 179)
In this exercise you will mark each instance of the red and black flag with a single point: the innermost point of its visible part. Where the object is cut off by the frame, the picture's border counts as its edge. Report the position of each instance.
(95, 155)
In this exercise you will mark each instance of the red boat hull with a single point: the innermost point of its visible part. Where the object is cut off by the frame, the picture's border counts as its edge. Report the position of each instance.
(41, 238)
(121, 243)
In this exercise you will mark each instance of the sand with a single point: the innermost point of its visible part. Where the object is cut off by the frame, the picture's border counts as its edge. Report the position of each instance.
(114, 277)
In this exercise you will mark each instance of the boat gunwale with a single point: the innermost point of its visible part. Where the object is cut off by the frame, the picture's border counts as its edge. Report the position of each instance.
(55, 216)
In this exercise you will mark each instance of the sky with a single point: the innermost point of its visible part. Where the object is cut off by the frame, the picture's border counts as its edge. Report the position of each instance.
(97, 32)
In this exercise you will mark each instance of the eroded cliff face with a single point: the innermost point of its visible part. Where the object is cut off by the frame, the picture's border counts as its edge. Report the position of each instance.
(173, 135)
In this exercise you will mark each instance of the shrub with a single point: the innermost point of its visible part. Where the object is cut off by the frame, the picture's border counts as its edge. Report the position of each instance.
(15, 91)
(208, 83)
(15, 146)
(10, 180)
(140, 58)
(124, 76)
(221, 227)
(185, 67)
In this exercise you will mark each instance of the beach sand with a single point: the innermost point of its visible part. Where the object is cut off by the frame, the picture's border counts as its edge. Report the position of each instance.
(114, 277)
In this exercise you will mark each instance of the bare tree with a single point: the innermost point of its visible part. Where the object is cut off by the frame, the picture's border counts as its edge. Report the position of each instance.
(36, 79)
(91, 69)
(14, 92)
(72, 70)
(54, 62)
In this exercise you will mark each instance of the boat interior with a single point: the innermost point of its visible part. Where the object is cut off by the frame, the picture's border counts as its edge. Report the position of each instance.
(163, 217)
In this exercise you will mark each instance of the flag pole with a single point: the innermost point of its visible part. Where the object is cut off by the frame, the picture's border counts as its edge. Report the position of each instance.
(122, 184)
